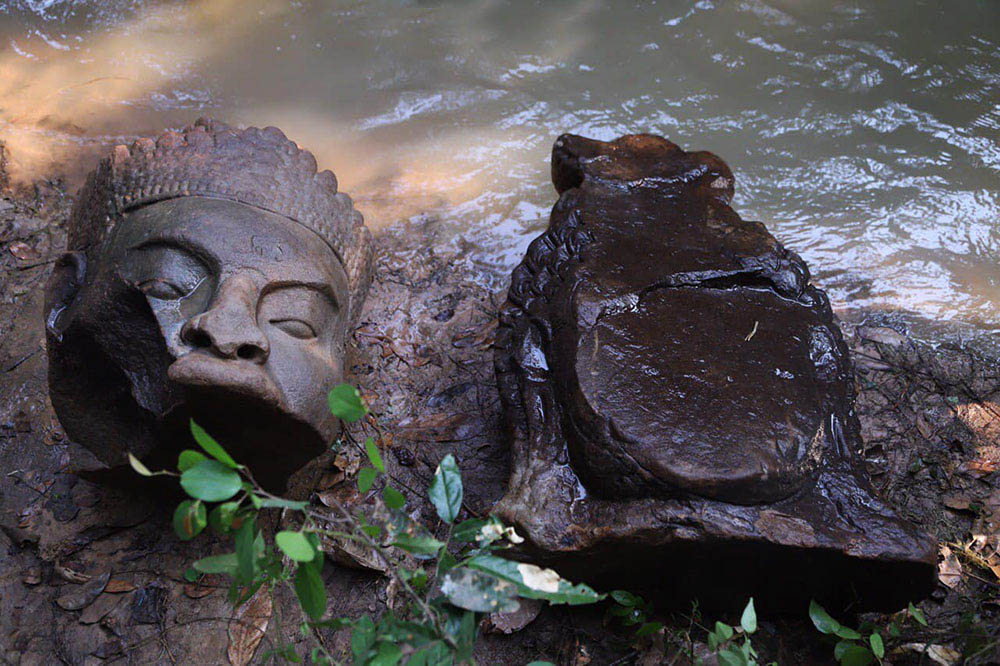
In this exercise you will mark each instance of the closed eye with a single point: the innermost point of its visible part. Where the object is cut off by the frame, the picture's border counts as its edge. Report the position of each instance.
(295, 328)
(161, 289)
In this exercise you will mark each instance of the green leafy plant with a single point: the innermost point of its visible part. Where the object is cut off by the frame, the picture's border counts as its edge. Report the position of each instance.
(864, 645)
(725, 640)
(634, 611)
(454, 582)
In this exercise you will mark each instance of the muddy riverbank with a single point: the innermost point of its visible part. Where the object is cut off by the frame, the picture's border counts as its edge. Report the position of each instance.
(422, 354)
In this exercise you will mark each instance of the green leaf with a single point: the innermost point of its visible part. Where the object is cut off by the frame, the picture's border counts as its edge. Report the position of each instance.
(713, 641)
(279, 503)
(310, 591)
(188, 459)
(916, 614)
(212, 447)
(446, 562)
(220, 519)
(479, 592)
(723, 630)
(856, 655)
(345, 403)
(191, 575)
(373, 455)
(878, 647)
(138, 466)
(246, 555)
(893, 630)
(749, 619)
(362, 638)
(847, 633)
(295, 545)
(392, 629)
(289, 654)
(418, 544)
(433, 654)
(317, 562)
(648, 628)
(466, 637)
(625, 598)
(210, 481)
(822, 620)
(732, 657)
(393, 498)
(366, 477)
(217, 564)
(535, 583)
(335, 623)
(388, 654)
(189, 519)
(468, 531)
(417, 578)
(446, 489)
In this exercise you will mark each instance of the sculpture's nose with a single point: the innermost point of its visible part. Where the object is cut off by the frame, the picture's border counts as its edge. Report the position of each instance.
(229, 328)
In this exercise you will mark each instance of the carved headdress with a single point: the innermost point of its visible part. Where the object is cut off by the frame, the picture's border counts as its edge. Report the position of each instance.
(256, 167)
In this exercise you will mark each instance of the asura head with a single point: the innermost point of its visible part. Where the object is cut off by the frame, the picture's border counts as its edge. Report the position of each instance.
(212, 274)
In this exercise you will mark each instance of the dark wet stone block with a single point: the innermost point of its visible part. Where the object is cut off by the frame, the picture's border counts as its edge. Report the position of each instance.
(680, 398)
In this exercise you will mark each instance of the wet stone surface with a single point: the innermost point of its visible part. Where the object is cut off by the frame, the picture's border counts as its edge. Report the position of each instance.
(211, 273)
(678, 359)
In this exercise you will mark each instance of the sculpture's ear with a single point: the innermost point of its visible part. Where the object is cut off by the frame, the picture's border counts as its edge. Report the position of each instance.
(63, 286)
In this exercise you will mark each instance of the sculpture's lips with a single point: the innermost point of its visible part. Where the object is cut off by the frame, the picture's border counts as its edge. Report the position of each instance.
(238, 377)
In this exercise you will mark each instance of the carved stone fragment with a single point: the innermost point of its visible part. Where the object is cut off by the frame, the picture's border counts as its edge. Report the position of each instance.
(680, 398)
(214, 274)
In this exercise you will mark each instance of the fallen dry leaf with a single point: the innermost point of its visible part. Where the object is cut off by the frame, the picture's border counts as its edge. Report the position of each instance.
(197, 591)
(22, 251)
(68, 574)
(204, 587)
(329, 480)
(117, 586)
(102, 606)
(83, 596)
(248, 626)
(985, 543)
(987, 461)
(949, 568)
(924, 427)
(939, 654)
(435, 427)
(345, 494)
(481, 336)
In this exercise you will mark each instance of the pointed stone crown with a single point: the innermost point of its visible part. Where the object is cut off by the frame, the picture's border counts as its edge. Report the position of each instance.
(256, 167)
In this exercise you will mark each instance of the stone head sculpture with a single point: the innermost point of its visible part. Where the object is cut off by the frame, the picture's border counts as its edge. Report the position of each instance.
(210, 274)
(681, 400)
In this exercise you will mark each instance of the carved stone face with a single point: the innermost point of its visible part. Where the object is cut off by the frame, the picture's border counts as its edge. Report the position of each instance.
(203, 308)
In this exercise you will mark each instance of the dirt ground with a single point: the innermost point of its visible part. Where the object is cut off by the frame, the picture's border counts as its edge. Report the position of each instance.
(422, 355)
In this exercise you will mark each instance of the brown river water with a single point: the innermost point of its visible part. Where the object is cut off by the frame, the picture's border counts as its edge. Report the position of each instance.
(865, 134)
